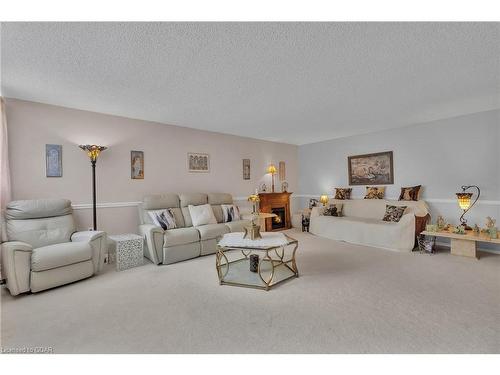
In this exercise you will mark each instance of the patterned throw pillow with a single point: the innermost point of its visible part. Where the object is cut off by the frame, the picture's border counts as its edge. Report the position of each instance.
(394, 213)
(409, 193)
(375, 192)
(230, 212)
(343, 193)
(163, 218)
(334, 210)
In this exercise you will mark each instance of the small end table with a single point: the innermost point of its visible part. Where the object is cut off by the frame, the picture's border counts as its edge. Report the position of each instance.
(127, 250)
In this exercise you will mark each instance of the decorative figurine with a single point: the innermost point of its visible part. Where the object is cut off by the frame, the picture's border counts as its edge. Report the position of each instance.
(284, 186)
(476, 230)
(492, 230)
(440, 222)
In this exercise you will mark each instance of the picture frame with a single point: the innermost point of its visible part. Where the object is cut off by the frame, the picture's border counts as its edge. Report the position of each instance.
(371, 169)
(53, 160)
(246, 169)
(198, 163)
(281, 171)
(137, 165)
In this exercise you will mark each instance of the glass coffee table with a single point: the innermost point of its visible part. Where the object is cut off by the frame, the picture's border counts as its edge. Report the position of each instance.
(276, 261)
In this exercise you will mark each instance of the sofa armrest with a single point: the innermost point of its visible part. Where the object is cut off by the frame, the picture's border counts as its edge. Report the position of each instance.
(97, 240)
(316, 211)
(16, 266)
(154, 237)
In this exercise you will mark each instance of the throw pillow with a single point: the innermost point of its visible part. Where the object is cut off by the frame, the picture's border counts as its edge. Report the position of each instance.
(343, 193)
(230, 212)
(409, 193)
(163, 218)
(375, 192)
(394, 213)
(334, 210)
(202, 214)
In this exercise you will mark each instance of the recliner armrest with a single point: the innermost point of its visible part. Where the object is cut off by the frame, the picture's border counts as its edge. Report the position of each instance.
(154, 236)
(97, 240)
(16, 265)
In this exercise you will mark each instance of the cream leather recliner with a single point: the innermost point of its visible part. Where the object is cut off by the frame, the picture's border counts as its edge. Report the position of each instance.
(42, 248)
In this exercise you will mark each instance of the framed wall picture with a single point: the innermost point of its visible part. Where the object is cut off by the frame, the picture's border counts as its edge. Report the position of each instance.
(281, 171)
(246, 169)
(53, 160)
(371, 169)
(198, 162)
(137, 165)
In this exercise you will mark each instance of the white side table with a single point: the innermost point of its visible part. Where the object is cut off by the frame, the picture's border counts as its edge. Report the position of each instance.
(127, 249)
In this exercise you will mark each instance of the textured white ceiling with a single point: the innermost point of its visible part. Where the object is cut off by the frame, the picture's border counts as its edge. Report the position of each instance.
(290, 82)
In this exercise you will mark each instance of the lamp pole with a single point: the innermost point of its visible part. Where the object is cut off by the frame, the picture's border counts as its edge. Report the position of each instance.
(93, 152)
(94, 204)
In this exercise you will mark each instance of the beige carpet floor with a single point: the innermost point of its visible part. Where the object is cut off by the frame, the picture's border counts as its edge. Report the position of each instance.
(348, 299)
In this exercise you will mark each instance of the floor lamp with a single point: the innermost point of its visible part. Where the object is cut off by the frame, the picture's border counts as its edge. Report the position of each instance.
(93, 152)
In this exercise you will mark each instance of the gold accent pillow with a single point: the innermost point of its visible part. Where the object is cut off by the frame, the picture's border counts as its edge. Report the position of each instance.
(343, 193)
(375, 192)
(394, 213)
(334, 210)
(409, 193)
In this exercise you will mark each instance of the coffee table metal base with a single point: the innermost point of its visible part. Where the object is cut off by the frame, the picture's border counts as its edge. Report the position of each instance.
(274, 266)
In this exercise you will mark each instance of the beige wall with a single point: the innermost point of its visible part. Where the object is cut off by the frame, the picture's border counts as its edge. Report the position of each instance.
(32, 125)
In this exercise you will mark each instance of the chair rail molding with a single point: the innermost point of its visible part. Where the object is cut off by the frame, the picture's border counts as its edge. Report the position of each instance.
(430, 200)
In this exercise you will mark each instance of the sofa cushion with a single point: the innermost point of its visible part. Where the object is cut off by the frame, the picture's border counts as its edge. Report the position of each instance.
(202, 215)
(230, 212)
(212, 231)
(59, 255)
(156, 202)
(163, 218)
(180, 236)
(237, 226)
(37, 208)
(343, 193)
(220, 198)
(43, 231)
(194, 199)
(394, 213)
(410, 193)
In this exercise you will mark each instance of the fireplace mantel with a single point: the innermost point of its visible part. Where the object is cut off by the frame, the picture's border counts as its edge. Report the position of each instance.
(268, 201)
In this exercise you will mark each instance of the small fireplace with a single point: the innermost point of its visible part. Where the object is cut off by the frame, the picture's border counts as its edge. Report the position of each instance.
(278, 222)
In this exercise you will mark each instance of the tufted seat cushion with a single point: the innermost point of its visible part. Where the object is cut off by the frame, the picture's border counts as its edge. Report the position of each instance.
(59, 255)
(180, 236)
(212, 231)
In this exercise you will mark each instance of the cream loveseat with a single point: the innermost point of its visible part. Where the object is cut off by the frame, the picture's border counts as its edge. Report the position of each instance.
(42, 249)
(185, 241)
(362, 223)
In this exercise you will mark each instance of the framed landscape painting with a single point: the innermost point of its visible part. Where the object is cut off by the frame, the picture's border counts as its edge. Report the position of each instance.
(53, 160)
(371, 169)
(198, 162)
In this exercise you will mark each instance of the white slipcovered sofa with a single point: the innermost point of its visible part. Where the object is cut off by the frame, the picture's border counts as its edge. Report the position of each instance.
(185, 241)
(362, 223)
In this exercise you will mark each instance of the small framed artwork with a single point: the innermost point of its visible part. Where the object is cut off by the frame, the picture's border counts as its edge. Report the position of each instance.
(246, 169)
(371, 169)
(137, 165)
(281, 171)
(53, 160)
(198, 162)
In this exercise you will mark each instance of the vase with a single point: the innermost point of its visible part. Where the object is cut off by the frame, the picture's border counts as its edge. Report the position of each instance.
(493, 232)
(254, 263)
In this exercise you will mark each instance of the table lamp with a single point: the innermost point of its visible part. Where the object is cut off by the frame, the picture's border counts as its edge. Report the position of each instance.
(93, 152)
(272, 170)
(464, 201)
(324, 199)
